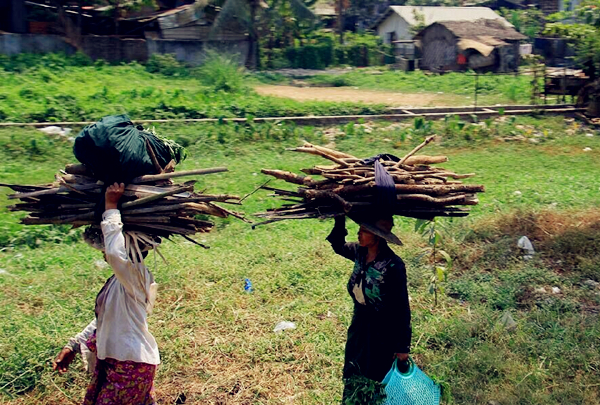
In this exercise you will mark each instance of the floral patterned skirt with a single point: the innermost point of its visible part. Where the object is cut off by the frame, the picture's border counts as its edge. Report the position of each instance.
(117, 382)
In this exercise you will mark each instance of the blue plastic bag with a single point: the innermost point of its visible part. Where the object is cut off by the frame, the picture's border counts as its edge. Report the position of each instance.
(410, 388)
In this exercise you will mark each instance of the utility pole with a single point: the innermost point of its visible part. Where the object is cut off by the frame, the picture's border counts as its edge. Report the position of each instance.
(340, 19)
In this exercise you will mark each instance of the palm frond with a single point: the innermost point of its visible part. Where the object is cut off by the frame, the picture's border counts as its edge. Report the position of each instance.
(232, 10)
(301, 11)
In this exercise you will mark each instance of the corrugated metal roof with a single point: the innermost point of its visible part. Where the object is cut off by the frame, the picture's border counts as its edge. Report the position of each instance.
(179, 16)
(432, 14)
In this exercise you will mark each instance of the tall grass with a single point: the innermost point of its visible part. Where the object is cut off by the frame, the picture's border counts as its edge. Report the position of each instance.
(222, 73)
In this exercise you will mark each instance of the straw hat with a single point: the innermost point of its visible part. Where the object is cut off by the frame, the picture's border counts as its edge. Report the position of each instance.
(380, 226)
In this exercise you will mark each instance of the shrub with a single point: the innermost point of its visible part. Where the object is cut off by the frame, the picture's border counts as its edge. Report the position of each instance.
(310, 56)
(50, 61)
(222, 72)
(81, 59)
(322, 50)
(166, 65)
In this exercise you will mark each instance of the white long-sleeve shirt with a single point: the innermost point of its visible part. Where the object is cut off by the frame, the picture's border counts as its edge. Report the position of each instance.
(78, 345)
(122, 328)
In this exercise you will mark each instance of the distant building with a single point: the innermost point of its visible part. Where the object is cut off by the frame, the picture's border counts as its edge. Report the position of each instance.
(399, 22)
(482, 45)
(13, 16)
(546, 6)
(185, 31)
(190, 22)
(326, 13)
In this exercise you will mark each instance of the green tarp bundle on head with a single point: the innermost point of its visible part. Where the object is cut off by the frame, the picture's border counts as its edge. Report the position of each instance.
(114, 149)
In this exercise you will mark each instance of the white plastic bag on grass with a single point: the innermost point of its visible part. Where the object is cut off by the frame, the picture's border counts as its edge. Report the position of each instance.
(525, 244)
(283, 325)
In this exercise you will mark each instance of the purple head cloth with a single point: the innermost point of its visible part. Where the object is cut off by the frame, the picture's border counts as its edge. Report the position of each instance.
(386, 189)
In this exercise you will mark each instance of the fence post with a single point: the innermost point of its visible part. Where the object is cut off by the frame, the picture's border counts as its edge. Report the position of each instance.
(563, 85)
(476, 90)
(535, 85)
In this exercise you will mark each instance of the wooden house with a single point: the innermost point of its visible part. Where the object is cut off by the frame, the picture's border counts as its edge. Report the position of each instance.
(399, 22)
(482, 45)
(191, 22)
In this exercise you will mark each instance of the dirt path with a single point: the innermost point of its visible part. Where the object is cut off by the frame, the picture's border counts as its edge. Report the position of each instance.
(392, 99)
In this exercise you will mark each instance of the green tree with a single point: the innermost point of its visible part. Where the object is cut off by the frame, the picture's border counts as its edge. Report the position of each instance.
(581, 27)
(528, 22)
(251, 15)
(283, 23)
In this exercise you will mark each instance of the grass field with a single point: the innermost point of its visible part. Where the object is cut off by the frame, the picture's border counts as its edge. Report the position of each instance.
(491, 88)
(54, 88)
(217, 342)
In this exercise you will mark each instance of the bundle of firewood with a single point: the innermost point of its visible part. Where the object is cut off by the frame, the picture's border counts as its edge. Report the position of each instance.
(349, 187)
(151, 204)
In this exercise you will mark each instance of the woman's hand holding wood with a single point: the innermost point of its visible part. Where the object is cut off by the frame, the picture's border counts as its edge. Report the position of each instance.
(113, 195)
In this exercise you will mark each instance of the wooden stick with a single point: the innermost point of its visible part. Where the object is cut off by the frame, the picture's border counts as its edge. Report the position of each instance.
(78, 179)
(61, 219)
(132, 219)
(194, 242)
(203, 198)
(415, 150)
(153, 158)
(232, 213)
(25, 188)
(159, 208)
(78, 169)
(282, 192)
(155, 177)
(139, 190)
(314, 151)
(425, 160)
(55, 190)
(155, 197)
(341, 176)
(439, 190)
(70, 187)
(170, 229)
(170, 167)
(288, 176)
(453, 200)
(197, 222)
(254, 191)
(329, 195)
(207, 208)
(332, 152)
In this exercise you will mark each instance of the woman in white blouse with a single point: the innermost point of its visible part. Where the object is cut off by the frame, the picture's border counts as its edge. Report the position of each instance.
(117, 346)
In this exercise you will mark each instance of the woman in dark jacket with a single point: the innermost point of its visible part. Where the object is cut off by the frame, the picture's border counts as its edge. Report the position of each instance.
(380, 330)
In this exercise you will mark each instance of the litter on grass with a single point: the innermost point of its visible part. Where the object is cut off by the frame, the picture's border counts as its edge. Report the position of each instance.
(284, 325)
(525, 244)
